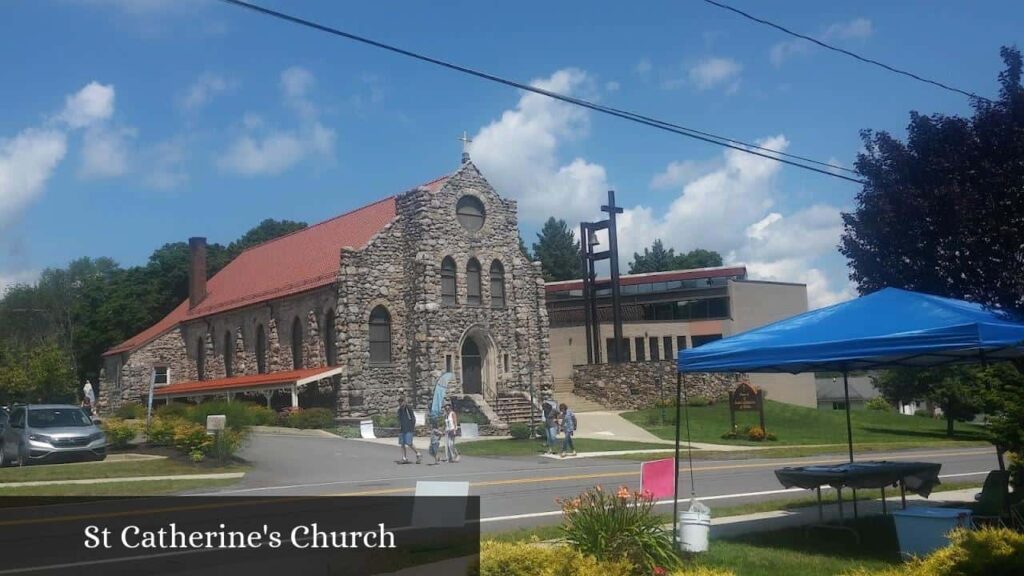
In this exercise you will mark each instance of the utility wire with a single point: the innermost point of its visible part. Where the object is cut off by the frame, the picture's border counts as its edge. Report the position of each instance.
(827, 46)
(768, 153)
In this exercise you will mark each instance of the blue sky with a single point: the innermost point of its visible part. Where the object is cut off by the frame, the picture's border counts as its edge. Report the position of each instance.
(128, 124)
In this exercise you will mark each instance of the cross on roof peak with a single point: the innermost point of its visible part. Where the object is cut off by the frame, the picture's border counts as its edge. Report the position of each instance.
(465, 139)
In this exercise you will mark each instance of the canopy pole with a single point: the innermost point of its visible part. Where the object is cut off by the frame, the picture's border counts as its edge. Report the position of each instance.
(675, 468)
(849, 428)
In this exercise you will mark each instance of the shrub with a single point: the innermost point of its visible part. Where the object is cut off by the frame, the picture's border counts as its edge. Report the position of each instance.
(311, 418)
(131, 411)
(172, 410)
(119, 433)
(348, 432)
(526, 559)
(989, 551)
(879, 404)
(190, 437)
(618, 526)
(755, 433)
(698, 402)
(478, 418)
(161, 431)
(771, 437)
(385, 420)
(519, 431)
(239, 414)
(730, 435)
(226, 443)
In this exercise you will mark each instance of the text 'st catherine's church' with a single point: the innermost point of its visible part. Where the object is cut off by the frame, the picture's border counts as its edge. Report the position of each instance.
(356, 311)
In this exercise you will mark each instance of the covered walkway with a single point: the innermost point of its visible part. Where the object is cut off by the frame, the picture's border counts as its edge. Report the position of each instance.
(265, 384)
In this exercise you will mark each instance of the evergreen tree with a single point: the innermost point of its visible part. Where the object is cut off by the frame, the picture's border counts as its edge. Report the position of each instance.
(524, 249)
(655, 259)
(558, 252)
(659, 259)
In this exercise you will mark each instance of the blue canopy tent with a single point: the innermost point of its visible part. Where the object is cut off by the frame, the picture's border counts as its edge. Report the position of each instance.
(885, 329)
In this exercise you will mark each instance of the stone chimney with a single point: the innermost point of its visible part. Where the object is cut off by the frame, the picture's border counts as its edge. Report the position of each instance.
(196, 271)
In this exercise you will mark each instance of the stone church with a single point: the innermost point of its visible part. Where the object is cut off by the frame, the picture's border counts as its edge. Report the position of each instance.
(356, 311)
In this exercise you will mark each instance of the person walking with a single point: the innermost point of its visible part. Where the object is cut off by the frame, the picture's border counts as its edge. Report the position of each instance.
(568, 428)
(451, 427)
(406, 430)
(551, 425)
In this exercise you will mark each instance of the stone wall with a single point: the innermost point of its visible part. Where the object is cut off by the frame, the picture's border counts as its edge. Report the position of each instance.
(400, 268)
(636, 385)
(126, 376)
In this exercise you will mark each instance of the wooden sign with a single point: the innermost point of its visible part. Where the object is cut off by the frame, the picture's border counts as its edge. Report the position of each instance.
(746, 398)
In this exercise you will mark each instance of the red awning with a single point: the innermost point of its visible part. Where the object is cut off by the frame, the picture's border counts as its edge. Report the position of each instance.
(247, 383)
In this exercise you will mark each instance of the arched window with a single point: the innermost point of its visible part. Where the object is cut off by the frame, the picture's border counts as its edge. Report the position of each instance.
(261, 350)
(470, 212)
(229, 354)
(296, 344)
(497, 285)
(380, 336)
(330, 341)
(448, 274)
(473, 282)
(201, 358)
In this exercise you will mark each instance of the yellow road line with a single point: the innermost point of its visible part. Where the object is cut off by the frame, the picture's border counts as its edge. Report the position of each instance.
(599, 475)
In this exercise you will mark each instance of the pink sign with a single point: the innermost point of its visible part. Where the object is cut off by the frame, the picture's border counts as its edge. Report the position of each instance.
(658, 477)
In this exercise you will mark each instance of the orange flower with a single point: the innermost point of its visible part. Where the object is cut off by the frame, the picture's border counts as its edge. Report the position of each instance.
(623, 493)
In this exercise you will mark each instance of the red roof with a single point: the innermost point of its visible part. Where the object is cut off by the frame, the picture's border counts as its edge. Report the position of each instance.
(245, 382)
(293, 263)
(630, 279)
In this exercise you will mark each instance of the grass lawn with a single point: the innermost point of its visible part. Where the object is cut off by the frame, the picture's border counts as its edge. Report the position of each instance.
(509, 447)
(799, 425)
(85, 470)
(799, 551)
(773, 451)
(140, 488)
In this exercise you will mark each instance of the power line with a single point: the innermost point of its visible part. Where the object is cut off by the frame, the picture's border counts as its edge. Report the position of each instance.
(846, 52)
(734, 144)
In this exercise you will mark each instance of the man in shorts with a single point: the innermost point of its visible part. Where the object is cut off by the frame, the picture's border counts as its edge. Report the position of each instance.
(406, 428)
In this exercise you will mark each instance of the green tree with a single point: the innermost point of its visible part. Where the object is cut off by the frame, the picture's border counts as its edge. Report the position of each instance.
(655, 259)
(558, 252)
(41, 372)
(943, 211)
(1006, 416)
(659, 259)
(698, 258)
(960, 391)
(263, 232)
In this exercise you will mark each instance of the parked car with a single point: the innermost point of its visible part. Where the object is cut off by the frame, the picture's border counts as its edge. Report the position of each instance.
(47, 433)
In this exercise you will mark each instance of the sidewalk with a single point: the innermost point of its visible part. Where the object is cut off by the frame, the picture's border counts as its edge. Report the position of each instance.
(217, 476)
(612, 426)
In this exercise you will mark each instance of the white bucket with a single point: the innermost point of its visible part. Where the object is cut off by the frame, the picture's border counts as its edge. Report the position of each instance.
(693, 530)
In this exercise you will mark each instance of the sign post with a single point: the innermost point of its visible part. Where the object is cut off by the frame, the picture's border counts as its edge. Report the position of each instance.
(746, 398)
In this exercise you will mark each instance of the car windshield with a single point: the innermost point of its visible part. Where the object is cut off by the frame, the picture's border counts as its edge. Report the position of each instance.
(57, 417)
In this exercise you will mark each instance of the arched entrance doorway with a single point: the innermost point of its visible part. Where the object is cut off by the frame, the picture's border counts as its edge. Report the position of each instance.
(472, 368)
(477, 362)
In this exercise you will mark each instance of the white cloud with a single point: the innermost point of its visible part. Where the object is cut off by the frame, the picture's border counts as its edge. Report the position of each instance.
(714, 72)
(643, 67)
(27, 161)
(166, 166)
(93, 103)
(729, 205)
(678, 173)
(612, 86)
(519, 153)
(263, 150)
(8, 280)
(105, 151)
(203, 90)
(856, 29)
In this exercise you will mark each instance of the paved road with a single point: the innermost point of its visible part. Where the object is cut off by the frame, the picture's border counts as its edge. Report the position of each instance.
(521, 491)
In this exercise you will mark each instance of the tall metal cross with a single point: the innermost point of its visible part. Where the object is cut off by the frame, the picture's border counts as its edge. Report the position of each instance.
(465, 141)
